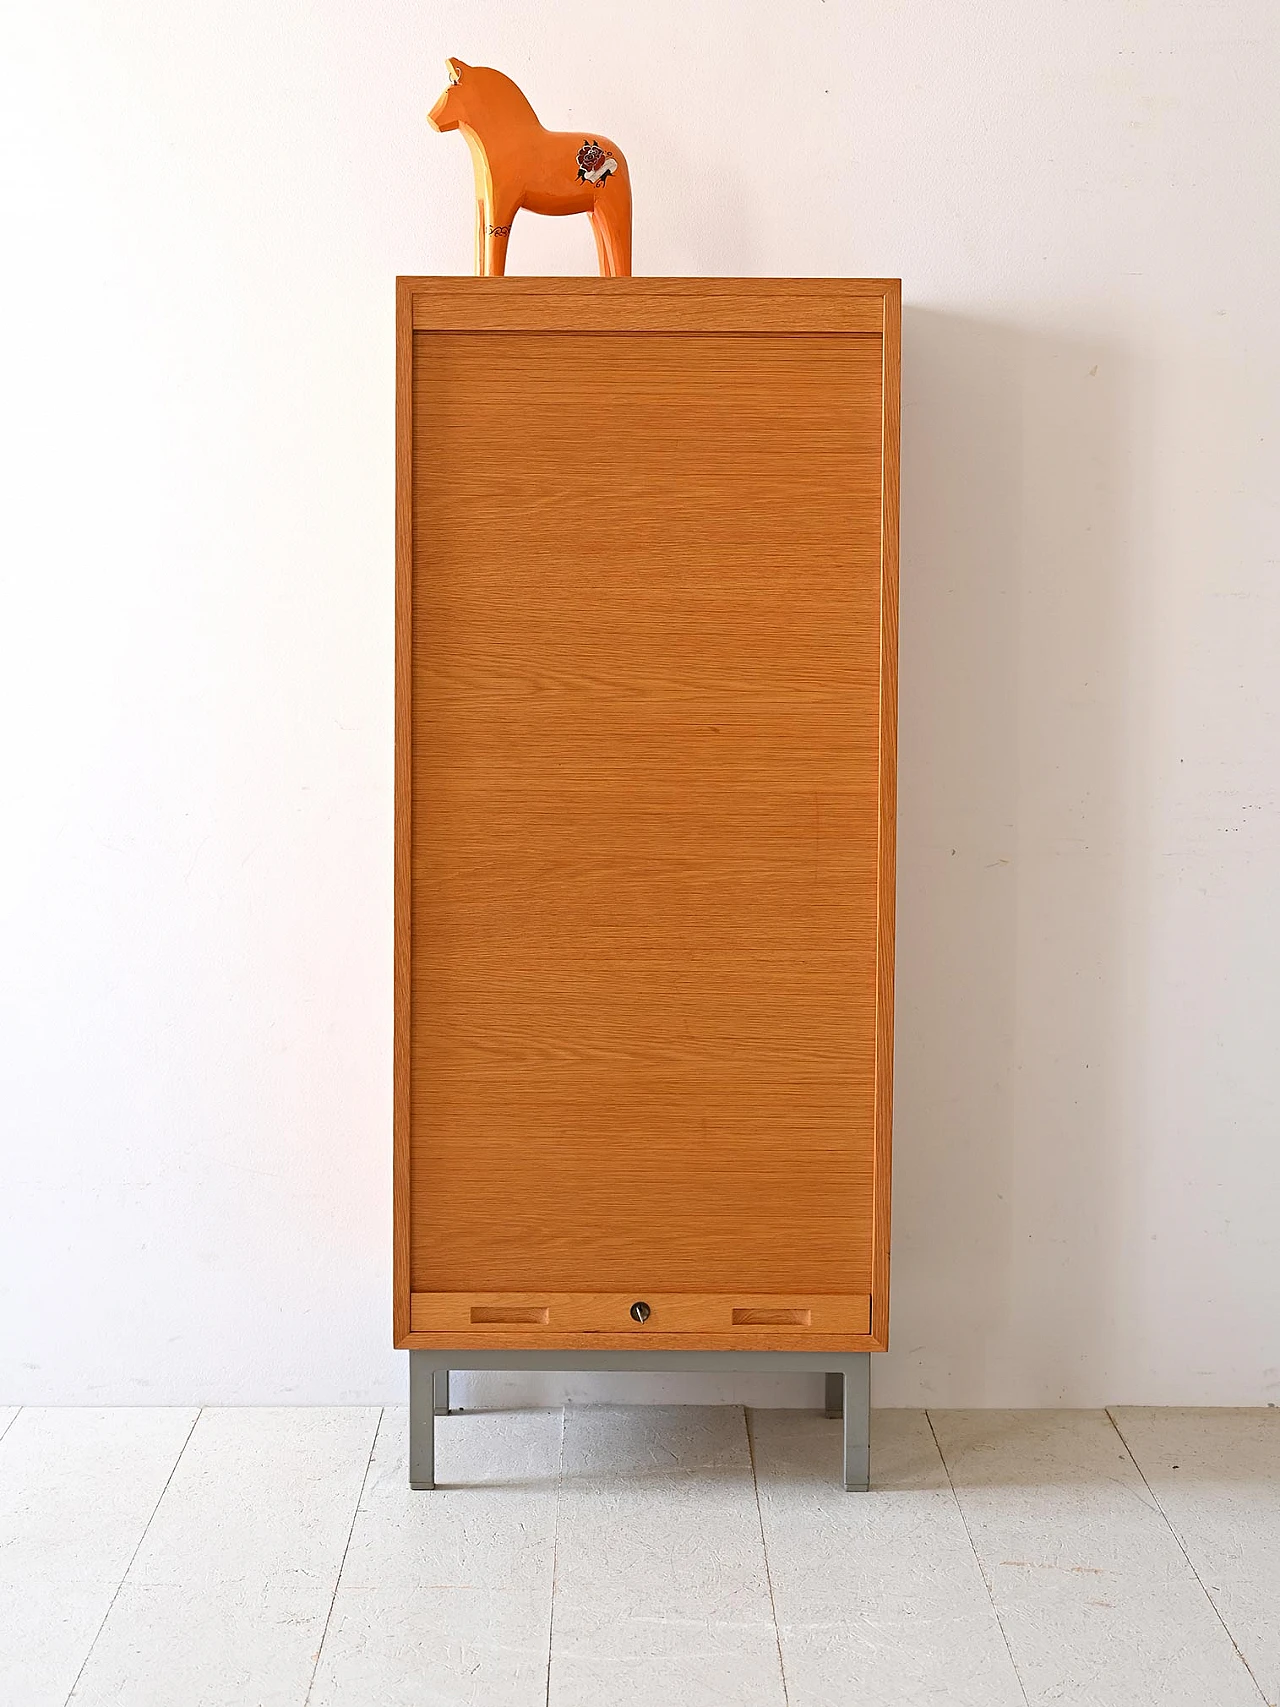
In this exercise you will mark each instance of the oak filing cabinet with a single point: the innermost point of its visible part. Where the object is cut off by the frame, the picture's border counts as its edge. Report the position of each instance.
(646, 672)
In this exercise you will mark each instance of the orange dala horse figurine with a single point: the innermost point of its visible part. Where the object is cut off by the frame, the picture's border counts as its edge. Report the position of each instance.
(518, 164)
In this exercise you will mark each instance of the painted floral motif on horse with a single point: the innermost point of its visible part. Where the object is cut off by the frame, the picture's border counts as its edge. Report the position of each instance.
(594, 165)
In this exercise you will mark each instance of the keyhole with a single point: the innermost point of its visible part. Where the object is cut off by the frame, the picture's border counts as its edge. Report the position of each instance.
(639, 1311)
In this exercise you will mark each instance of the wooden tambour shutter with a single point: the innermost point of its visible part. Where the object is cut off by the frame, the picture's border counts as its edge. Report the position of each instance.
(646, 631)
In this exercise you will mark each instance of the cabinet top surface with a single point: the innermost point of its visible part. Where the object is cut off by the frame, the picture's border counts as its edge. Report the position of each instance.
(639, 288)
(649, 304)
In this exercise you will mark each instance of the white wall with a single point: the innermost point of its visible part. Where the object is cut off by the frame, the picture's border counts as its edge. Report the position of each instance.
(204, 208)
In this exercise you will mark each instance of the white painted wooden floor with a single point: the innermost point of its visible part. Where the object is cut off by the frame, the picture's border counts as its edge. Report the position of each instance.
(687, 1555)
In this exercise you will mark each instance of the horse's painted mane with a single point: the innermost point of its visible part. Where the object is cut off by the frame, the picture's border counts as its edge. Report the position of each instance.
(508, 93)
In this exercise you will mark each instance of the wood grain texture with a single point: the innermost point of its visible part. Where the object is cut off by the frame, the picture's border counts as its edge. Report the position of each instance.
(783, 306)
(591, 1312)
(632, 1147)
(644, 664)
(732, 1339)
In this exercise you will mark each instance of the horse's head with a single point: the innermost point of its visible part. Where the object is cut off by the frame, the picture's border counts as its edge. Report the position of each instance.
(451, 109)
(478, 96)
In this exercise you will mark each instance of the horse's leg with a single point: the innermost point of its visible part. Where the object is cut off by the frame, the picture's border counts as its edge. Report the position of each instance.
(496, 232)
(602, 248)
(611, 221)
(482, 222)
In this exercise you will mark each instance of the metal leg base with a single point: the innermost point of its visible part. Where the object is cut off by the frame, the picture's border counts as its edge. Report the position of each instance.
(848, 1391)
(857, 1423)
(835, 1393)
(422, 1420)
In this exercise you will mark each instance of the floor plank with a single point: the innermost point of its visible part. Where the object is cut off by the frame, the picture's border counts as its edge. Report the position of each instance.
(446, 1596)
(661, 1592)
(655, 1544)
(77, 1488)
(878, 1596)
(1216, 1474)
(226, 1600)
(1098, 1604)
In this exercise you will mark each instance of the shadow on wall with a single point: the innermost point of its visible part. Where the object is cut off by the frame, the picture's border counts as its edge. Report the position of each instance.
(1011, 1143)
(1013, 1002)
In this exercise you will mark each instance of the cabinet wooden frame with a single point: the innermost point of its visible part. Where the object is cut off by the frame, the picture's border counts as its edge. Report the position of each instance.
(706, 1321)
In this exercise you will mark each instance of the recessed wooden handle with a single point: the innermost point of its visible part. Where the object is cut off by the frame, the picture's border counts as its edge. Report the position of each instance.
(523, 1313)
(771, 1318)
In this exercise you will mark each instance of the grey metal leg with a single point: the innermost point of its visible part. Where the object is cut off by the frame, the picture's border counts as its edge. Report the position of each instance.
(442, 1392)
(835, 1393)
(422, 1420)
(857, 1423)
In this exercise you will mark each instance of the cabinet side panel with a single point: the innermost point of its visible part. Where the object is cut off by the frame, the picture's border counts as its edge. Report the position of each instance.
(887, 862)
(401, 902)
